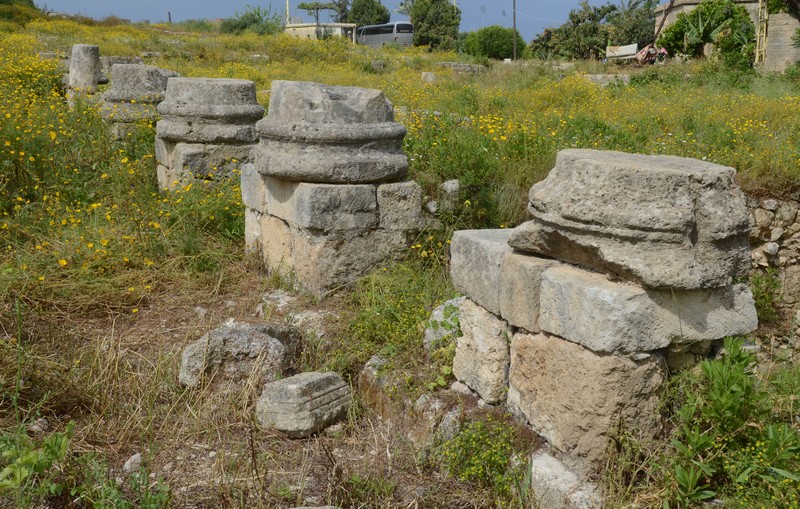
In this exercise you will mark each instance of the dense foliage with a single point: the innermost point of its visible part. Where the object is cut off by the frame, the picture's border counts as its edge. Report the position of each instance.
(720, 22)
(253, 19)
(436, 23)
(493, 42)
(368, 12)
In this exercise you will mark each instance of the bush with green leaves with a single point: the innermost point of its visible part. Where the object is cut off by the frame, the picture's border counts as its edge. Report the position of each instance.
(494, 42)
(766, 288)
(728, 440)
(253, 19)
(721, 22)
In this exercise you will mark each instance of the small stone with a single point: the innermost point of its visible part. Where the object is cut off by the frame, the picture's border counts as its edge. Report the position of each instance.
(770, 204)
(212, 455)
(201, 312)
(168, 467)
(431, 206)
(40, 425)
(763, 218)
(428, 77)
(776, 234)
(133, 464)
(303, 404)
(461, 388)
(771, 248)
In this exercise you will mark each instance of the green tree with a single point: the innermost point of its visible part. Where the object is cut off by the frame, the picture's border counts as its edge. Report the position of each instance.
(313, 8)
(405, 7)
(585, 35)
(632, 22)
(341, 10)
(368, 12)
(493, 41)
(435, 23)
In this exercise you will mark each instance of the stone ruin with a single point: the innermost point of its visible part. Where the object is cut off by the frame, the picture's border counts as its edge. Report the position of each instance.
(572, 320)
(84, 70)
(325, 197)
(135, 91)
(207, 129)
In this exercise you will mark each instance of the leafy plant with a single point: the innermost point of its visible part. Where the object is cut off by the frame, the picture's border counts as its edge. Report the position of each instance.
(766, 288)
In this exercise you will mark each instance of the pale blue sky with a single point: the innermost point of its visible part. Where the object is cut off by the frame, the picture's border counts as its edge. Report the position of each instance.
(532, 15)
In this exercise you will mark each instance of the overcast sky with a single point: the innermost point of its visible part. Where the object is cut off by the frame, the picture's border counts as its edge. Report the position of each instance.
(532, 15)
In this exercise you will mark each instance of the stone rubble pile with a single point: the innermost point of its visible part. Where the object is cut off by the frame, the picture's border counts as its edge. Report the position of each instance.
(207, 128)
(628, 261)
(135, 91)
(325, 198)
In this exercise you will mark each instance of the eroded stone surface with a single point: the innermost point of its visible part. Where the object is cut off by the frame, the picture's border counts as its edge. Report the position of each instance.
(400, 206)
(324, 207)
(662, 221)
(607, 316)
(237, 351)
(578, 399)
(475, 258)
(303, 404)
(556, 487)
(482, 357)
(84, 68)
(331, 135)
(520, 283)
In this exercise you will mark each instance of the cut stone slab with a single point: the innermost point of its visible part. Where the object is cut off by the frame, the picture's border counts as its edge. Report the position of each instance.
(604, 316)
(254, 189)
(313, 103)
(304, 404)
(662, 221)
(482, 357)
(330, 135)
(520, 281)
(475, 258)
(139, 83)
(323, 262)
(206, 161)
(237, 351)
(555, 487)
(443, 323)
(578, 399)
(325, 207)
(400, 206)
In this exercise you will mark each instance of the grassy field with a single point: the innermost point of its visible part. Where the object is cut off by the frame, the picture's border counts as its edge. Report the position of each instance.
(103, 280)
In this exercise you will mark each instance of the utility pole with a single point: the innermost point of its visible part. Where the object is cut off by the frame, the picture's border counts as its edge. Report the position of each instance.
(514, 22)
(483, 14)
(287, 12)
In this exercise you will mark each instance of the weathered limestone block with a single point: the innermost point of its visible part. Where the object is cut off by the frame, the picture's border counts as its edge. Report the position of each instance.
(325, 207)
(163, 151)
(206, 161)
(400, 206)
(303, 404)
(254, 190)
(662, 221)
(555, 487)
(168, 178)
(323, 262)
(209, 110)
(482, 359)
(334, 135)
(253, 241)
(578, 399)
(520, 281)
(475, 258)
(604, 316)
(84, 68)
(237, 351)
(135, 91)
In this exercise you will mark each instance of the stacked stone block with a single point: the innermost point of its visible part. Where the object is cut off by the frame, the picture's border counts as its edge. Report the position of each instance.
(325, 197)
(135, 91)
(629, 261)
(207, 128)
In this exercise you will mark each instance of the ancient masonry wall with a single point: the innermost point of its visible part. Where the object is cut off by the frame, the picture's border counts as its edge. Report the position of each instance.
(627, 269)
(325, 197)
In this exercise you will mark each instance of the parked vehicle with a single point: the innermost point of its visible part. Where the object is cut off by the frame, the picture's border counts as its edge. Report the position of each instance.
(375, 36)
